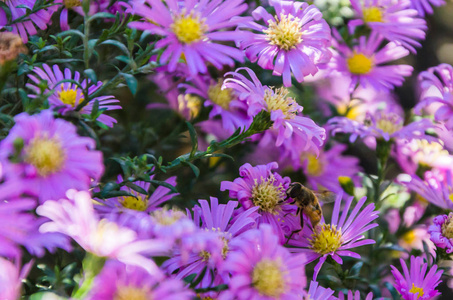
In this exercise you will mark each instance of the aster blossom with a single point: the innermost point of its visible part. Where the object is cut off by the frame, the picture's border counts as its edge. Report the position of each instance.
(263, 269)
(45, 156)
(26, 27)
(442, 232)
(354, 296)
(194, 30)
(383, 125)
(118, 281)
(76, 218)
(436, 187)
(317, 292)
(217, 218)
(414, 283)
(66, 97)
(294, 132)
(259, 187)
(436, 85)
(395, 21)
(335, 239)
(224, 102)
(426, 6)
(11, 278)
(368, 66)
(137, 202)
(295, 40)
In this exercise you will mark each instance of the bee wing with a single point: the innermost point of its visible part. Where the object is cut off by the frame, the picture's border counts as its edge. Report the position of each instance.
(326, 196)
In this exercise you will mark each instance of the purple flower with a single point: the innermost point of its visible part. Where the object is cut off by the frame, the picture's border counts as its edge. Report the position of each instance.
(344, 232)
(11, 278)
(46, 157)
(324, 171)
(76, 218)
(294, 132)
(436, 85)
(216, 218)
(260, 187)
(435, 188)
(415, 283)
(20, 228)
(384, 125)
(294, 40)
(118, 281)
(138, 202)
(65, 97)
(368, 66)
(317, 292)
(424, 6)
(193, 30)
(442, 232)
(26, 27)
(395, 21)
(263, 269)
(224, 102)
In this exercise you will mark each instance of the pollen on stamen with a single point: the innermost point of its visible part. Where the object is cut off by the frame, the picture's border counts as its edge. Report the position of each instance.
(314, 165)
(131, 293)
(267, 195)
(326, 240)
(447, 227)
(69, 96)
(268, 278)
(389, 122)
(135, 203)
(372, 14)
(72, 3)
(360, 64)
(285, 33)
(189, 28)
(415, 290)
(278, 100)
(45, 154)
(219, 96)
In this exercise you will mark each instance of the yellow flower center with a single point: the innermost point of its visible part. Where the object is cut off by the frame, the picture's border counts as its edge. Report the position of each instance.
(133, 203)
(219, 96)
(450, 197)
(409, 237)
(372, 14)
(189, 28)
(389, 123)
(72, 3)
(69, 96)
(350, 112)
(359, 63)
(314, 165)
(326, 240)
(167, 217)
(131, 293)
(45, 154)
(205, 255)
(415, 290)
(427, 153)
(267, 195)
(268, 278)
(447, 227)
(190, 102)
(278, 101)
(285, 33)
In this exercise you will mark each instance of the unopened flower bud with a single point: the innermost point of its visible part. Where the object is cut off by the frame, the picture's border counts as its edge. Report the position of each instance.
(11, 46)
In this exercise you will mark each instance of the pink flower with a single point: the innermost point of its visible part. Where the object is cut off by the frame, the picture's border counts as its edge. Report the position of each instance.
(45, 156)
(368, 66)
(76, 218)
(415, 283)
(334, 239)
(11, 277)
(194, 30)
(294, 40)
(263, 269)
(395, 21)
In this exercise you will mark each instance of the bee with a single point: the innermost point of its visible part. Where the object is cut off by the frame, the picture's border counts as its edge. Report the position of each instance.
(307, 202)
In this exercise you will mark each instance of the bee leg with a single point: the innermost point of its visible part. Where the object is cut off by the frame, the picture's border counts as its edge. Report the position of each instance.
(301, 224)
(298, 211)
(292, 233)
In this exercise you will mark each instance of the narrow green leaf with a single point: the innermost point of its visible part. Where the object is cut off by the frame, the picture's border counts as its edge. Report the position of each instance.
(194, 168)
(136, 188)
(165, 184)
(131, 82)
(193, 139)
(91, 75)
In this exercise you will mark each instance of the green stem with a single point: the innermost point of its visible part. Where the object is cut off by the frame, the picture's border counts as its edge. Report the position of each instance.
(382, 151)
(86, 51)
(92, 266)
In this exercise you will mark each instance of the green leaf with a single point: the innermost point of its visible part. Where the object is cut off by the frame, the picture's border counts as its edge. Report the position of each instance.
(165, 184)
(392, 290)
(194, 168)
(131, 82)
(136, 188)
(117, 44)
(72, 32)
(193, 139)
(91, 75)
(355, 270)
(101, 15)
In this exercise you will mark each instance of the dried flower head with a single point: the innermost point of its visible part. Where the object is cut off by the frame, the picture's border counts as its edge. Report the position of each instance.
(11, 46)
